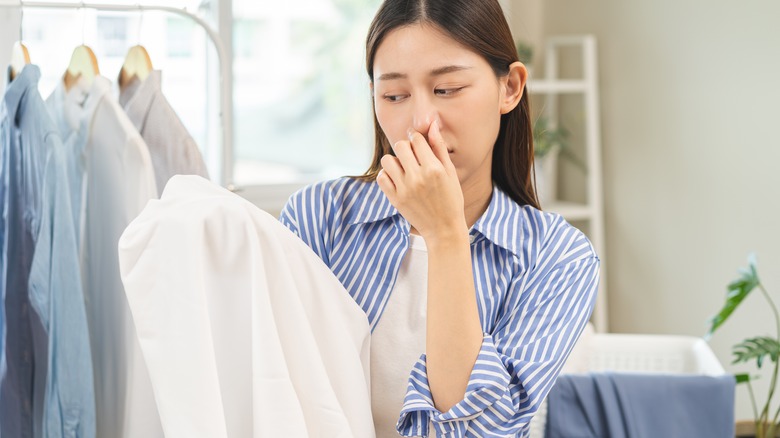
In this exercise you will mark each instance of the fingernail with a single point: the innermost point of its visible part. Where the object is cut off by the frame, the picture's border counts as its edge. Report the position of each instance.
(410, 133)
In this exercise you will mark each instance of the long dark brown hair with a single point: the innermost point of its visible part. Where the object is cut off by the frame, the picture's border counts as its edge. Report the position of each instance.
(481, 26)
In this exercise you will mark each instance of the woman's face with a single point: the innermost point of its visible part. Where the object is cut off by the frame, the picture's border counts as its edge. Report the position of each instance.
(422, 75)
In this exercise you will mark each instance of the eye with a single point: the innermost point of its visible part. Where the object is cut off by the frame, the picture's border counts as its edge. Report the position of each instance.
(447, 91)
(394, 97)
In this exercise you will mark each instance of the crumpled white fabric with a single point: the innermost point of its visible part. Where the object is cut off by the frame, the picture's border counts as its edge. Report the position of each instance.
(245, 332)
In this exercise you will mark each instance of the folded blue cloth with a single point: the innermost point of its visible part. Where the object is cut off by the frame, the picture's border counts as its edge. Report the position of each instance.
(624, 405)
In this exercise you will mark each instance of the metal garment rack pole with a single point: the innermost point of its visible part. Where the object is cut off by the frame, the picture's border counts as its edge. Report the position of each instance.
(225, 66)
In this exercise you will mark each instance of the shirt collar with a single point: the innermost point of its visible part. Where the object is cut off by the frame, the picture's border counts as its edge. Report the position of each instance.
(499, 223)
(128, 90)
(82, 99)
(137, 98)
(374, 205)
(73, 109)
(26, 79)
(99, 88)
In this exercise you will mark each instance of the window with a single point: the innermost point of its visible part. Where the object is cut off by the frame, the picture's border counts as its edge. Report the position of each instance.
(112, 32)
(180, 32)
(301, 100)
(301, 97)
(175, 45)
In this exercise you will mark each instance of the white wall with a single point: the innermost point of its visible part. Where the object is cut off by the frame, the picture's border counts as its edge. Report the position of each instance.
(690, 114)
(527, 21)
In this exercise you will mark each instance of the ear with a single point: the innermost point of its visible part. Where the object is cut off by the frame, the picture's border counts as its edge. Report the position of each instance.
(512, 87)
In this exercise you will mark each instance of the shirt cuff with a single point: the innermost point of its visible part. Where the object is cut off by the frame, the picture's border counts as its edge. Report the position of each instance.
(488, 383)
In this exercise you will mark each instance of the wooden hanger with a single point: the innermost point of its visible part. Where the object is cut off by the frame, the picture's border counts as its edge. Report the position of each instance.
(137, 64)
(20, 57)
(83, 63)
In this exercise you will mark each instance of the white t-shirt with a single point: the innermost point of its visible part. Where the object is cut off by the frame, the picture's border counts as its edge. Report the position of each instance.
(399, 339)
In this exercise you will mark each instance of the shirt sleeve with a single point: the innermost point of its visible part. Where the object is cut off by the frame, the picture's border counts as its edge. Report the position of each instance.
(520, 359)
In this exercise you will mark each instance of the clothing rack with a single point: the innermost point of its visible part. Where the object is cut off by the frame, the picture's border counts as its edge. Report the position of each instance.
(225, 67)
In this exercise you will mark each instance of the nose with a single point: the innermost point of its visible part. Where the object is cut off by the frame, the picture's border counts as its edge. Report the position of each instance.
(425, 113)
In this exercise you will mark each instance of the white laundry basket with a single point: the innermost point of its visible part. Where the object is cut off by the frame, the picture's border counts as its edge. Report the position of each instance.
(657, 354)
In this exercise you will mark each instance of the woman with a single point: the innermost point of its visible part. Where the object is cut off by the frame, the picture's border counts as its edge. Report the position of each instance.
(474, 296)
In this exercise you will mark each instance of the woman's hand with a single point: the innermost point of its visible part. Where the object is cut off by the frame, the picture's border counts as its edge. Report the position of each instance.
(422, 183)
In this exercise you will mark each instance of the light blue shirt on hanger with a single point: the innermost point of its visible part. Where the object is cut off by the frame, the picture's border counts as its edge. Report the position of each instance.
(46, 385)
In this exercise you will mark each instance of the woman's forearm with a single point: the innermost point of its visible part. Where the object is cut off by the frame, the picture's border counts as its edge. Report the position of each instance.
(454, 332)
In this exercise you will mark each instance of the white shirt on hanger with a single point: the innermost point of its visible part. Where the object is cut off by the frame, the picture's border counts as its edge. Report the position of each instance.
(117, 182)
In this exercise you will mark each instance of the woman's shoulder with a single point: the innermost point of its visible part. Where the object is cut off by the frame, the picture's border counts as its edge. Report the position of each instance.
(334, 190)
(331, 196)
(529, 232)
(556, 236)
(546, 220)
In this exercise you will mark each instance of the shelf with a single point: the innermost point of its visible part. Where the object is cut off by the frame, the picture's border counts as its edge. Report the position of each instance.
(538, 86)
(586, 87)
(571, 211)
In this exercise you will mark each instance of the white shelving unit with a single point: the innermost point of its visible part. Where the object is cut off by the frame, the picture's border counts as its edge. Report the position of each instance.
(592, 211)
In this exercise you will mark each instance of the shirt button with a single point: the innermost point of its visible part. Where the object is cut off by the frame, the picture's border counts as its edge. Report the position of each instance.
(472, 238)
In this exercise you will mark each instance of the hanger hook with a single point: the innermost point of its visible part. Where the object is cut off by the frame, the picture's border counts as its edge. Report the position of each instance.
(140, 21)
(83, 23)
(21, 20)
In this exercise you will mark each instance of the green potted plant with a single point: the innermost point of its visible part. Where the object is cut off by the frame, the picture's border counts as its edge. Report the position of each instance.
(524, 52)
(549, 143)
(548, 139)
(757, 348)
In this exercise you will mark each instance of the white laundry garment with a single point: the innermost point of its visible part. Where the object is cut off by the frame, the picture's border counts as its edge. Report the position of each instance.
(245, 332)
(114, 176)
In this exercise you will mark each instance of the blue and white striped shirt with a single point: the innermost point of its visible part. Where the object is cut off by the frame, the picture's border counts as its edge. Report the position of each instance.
(535, 277)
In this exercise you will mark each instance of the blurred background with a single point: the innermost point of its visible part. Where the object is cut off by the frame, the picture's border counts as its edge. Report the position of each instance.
(687, 112)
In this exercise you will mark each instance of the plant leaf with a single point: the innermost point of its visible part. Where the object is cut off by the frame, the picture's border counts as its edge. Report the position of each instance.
(756, 348)
(524, 52)
(742, 378)
(738, 290)
(547, 138)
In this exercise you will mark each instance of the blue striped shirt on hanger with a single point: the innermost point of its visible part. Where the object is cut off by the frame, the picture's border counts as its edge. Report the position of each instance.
(535, 277)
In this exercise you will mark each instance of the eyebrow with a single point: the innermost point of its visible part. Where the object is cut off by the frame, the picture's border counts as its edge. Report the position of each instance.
(435, 72)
